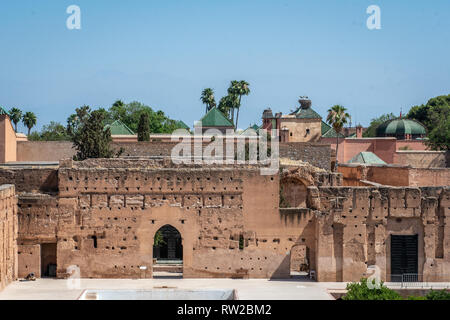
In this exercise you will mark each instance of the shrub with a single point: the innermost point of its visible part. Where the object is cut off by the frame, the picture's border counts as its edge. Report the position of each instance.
(417, 298)
(438, 295)
(360, 291)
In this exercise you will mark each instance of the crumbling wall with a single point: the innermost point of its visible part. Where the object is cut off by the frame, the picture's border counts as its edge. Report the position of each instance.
(31, 179)
(108, 210)
(354, 225)
(8, 234)
(314, 153)
(393, 175)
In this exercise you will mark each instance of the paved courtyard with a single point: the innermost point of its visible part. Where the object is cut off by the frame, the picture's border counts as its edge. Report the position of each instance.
(258, 289)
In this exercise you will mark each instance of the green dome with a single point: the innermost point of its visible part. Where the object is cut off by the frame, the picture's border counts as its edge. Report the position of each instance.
(400, 127)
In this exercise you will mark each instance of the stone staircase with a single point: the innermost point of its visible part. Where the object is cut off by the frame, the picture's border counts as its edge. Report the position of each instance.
(168, 268)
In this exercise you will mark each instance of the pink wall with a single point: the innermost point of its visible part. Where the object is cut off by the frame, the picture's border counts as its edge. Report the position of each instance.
(7, 140)
(384, 148)
(412, 144)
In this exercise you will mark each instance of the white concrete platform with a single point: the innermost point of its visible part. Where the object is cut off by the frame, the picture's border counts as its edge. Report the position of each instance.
(258, 289)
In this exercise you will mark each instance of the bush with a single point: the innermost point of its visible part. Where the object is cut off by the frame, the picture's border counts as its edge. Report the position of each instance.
(360, 291)
(417, 298)
(438, 295)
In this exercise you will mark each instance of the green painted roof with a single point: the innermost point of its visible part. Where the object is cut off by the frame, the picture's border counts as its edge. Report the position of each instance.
(253, 127)
(306, 113)
(3, 111)
(366, 158)
(182, 125)
(325, 127)
(119, 128)
(215, 118)
(329, 132)
(399, 127)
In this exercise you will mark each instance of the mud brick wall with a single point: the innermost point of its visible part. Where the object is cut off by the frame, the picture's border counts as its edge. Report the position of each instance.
(354, 225)
(316, 154)
(31, 180)
(8, 235)
(107, 212)
(394, 175)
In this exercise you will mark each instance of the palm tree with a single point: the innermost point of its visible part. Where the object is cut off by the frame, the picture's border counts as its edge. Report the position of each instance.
(232, 89)
(226, 105)
(29, 120)
(239, 89)
(207, 98)
(16, 116)
(337, 117)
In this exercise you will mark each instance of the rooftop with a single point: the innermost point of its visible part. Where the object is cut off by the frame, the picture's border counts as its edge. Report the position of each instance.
(215, 118)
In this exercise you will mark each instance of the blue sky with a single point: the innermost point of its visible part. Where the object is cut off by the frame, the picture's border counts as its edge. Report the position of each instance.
(163, 53)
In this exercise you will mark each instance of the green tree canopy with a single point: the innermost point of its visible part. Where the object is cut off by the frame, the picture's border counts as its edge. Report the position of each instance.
(238, 89)
(16, 116)
(337, 117)
(29, 120)
(208, 99)
(54, 131)
(130, 114)
(435, 116)
(375, 122)
(227, 105)
(144, 128)
(89, 137)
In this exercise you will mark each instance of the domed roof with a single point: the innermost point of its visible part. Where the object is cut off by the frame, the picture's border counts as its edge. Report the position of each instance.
(399, 127)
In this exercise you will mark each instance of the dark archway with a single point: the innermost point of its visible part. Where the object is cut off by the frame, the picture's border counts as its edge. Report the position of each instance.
(167, 244)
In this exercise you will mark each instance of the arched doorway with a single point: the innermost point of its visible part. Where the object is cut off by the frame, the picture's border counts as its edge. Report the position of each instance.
(167, 252)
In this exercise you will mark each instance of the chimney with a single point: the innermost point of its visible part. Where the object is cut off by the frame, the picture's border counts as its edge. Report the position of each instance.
(359, 131)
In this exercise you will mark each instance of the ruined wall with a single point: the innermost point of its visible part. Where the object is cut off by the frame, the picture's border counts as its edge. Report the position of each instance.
(28, 179)
(108, 211)
(422, 159)
(429, 177)
(355, 175)
(316, 154)
(354, 227)
(8, 234)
